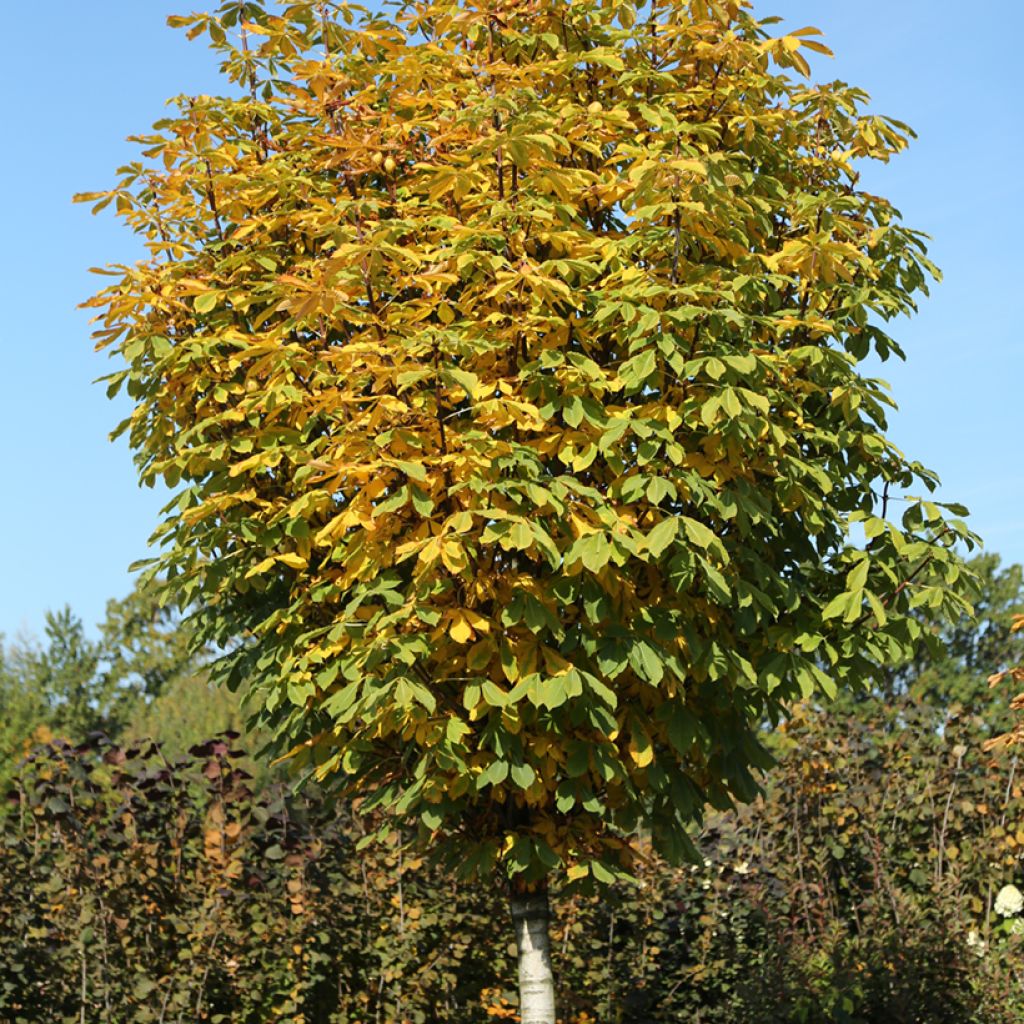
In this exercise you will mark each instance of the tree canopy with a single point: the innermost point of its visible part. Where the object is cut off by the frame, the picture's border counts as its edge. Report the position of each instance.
(507, 361)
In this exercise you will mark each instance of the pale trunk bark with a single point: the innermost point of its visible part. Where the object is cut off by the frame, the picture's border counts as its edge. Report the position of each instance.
(536, 980)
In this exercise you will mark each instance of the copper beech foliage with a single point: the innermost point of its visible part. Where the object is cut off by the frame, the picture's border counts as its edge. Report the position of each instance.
(506, 358)
(136, 886)
(1015, 674)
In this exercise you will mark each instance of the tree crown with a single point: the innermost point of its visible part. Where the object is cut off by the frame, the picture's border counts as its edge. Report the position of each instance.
(506, 357)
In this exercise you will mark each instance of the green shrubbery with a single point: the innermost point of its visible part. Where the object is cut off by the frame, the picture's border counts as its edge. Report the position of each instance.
(863, 888)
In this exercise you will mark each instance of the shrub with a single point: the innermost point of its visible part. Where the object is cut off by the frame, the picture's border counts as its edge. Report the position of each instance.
(862, 889)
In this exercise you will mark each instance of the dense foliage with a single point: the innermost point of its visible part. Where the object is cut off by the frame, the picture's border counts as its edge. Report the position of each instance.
(863, 889)
(507, 359)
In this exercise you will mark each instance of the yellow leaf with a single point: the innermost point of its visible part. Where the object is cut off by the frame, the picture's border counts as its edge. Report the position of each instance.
(453, 555)
(477, 621)
(260, 567)
(460, 630)
(640, 749)
(431, 550)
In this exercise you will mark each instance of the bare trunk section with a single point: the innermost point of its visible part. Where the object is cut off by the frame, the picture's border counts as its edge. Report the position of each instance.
(536, 981)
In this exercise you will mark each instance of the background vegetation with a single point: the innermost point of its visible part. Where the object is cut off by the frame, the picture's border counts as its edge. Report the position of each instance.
(161, 881)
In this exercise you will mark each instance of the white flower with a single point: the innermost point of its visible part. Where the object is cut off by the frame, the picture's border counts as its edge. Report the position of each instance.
(975, 943)
(1010, 901)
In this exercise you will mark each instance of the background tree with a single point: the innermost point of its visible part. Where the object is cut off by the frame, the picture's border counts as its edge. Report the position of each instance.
(147, 646)
(21, 714)
(507, 357)
(57, 684)
(153, 653)
(144, 677)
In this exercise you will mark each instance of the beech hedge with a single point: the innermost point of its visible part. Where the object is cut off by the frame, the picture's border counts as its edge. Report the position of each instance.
(871, 883)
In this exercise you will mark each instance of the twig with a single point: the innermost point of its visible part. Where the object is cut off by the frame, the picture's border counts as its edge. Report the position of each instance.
(945, 819)
(906, 583)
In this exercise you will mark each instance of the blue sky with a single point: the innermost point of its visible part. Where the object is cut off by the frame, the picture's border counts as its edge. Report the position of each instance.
(72, 517)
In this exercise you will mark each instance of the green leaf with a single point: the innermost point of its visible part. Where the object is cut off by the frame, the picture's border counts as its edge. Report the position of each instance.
(698, 533)
(495, 774)
(853, 611)
(681, 728)
(572, 411)
(857, 577)
(431, 817)
(552, 692)
(877, 608)
(839, 606)
(494, 695)
(456, 729)
(422, 502)
(661, 536)
(646, 662)
(595, 551)
(636, 371)
(523, 775)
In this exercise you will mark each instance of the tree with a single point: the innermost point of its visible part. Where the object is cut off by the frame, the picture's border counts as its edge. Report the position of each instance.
(20, 718)
(144, 677)
(153, 655)
(54, 688)
(507, 358)
(146, 647)
(61, 679)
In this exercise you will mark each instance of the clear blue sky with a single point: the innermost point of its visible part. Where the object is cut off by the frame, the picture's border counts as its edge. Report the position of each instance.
(72, 517)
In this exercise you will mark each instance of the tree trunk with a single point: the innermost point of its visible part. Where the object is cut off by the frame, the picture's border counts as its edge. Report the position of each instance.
(536, 982)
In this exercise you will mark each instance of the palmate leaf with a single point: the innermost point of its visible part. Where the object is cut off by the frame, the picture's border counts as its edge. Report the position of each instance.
(510, 370)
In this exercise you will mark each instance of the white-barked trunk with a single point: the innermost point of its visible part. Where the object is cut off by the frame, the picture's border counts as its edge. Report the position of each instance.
(530, 917)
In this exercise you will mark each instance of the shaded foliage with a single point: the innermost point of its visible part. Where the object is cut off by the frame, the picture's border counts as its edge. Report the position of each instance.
(150, 890)
(859, 890)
